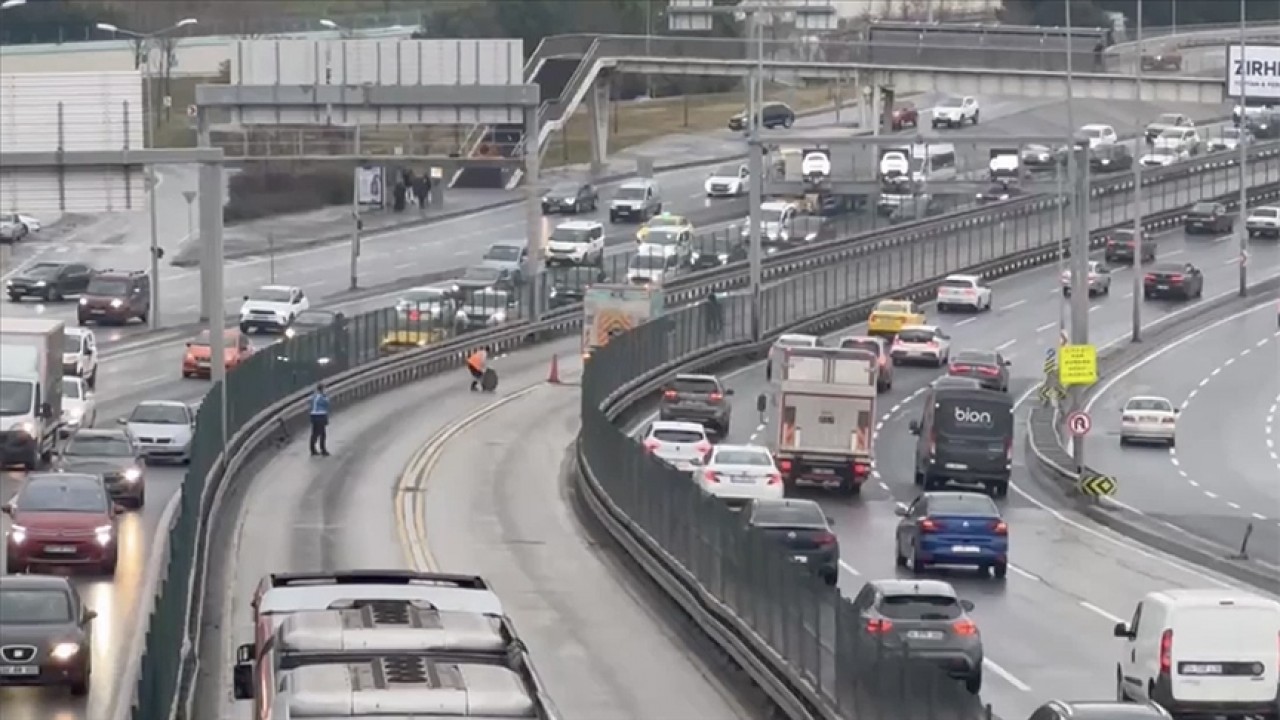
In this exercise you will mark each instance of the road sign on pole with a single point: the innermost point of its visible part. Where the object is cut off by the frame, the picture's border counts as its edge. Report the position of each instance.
(1079, 424)
(1078, 365)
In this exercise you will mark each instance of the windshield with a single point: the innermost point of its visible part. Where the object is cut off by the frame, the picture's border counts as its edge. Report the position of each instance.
(159, 415)
(60, 496)
(1267, 212)
(975, 357)
(42, 270)
(487, 299)
(770, 215)
(742, 457)
(70, 388)
(422, 297)
(893, 307)
(109, 288)
(270, 295)
(481, 274)
(570, 235)
(789, 515)
(313, 318)
(665, 221)
(1153, 404)
(70, 343)
(1091, 132)
(15, 397)
(920, 607)
(1231, 133)
(1173, 133)
(630, 193)
(1168, 119)
(677, 436)
(951, 103)
(663, 236)
(869, 345)
(973, 416)
(21, 606)
(97, 446)
(649, 262)
(1202, 208)
(971, 504)
(916, 336)
(728, 171)
(564, 190)
(503, 252)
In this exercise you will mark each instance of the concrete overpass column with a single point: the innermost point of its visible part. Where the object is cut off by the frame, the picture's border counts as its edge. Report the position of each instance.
(440, 183)
(598, 113)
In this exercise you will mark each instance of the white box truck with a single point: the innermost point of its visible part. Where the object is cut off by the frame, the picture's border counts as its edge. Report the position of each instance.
(824, 416)
(30, 390)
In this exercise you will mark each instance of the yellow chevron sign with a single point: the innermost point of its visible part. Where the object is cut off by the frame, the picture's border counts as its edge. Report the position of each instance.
(1095, 485)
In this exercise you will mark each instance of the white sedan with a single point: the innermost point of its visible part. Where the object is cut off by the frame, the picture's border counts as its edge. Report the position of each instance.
(1148, 419)
(728, 182)
(740, 473)
(921, 344)
(162, 429)
(79, 407)
(679, 444)
(1263, 221)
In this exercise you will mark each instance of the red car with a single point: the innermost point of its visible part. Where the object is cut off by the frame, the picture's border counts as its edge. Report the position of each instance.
(63, 519)
(904, 115)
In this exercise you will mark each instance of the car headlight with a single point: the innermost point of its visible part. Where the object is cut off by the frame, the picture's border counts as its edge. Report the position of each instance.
(723, 257)
(290, 332)
(103, 534)
(132, 474)
(322, 361)
(554, 292)
(41, 283)
(74, 414)
(84, 301)
(117, 303)
(18, 534)
(64, 651)
(26, 428)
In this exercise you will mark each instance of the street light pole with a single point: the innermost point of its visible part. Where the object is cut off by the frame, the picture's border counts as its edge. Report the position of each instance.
(755, 172)
(1244, 158)
(1079, 249)
(1136, 330)
(1069, 165)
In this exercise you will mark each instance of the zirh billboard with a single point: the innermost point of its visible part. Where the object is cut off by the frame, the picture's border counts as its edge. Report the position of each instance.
(1256, 68)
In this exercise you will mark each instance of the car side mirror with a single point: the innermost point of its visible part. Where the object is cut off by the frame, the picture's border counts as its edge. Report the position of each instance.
(122, 421)
(89, 615)
(246, 297)
(900, 510)
(914, 427)
(831, 520)
(967, 605)
(117, 508)
(242, 673)
(1007, 363)
(1121, 630)
(46, 411)
(762, 402)
(1177, 410)
(728, 392)
(7, 508)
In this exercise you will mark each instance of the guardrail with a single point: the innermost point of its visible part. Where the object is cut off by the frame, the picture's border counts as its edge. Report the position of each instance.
(269, 391)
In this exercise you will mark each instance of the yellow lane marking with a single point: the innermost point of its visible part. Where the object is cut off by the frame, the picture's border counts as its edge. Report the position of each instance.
(410, 503)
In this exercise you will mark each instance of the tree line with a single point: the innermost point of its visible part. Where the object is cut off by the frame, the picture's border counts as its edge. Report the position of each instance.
(1155, 13)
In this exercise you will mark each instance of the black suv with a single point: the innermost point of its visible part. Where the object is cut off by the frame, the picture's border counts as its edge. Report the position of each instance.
(1110, 158)
(1120, 247)
(115, 296)
(699, 399)
(49, 281)
(772, 115)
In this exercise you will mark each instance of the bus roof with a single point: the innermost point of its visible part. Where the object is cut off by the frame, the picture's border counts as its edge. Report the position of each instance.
(393, 626)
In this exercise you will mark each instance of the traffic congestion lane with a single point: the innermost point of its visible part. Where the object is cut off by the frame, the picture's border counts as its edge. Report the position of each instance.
(1220, 478)
(304, 513)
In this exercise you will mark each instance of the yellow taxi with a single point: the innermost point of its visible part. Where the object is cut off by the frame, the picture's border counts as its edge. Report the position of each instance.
(401, 340)
(665, 220)
(890, 316)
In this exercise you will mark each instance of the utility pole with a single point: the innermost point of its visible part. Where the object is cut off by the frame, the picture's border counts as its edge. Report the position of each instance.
(1080, 277)
(1244, 157)
(1072, 173)
(1136, 330)
(356, 222)
(755, 170)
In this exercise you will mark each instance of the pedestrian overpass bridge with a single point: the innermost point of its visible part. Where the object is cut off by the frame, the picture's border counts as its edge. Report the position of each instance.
(1024, 72)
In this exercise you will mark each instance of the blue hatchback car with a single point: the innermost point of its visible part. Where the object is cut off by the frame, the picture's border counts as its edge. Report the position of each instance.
(953, 528)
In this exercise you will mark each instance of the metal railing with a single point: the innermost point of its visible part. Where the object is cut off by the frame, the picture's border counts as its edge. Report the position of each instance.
(380, 350)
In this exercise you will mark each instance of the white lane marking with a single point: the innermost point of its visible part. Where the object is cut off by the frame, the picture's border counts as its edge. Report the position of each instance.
(1025, 574)
(1210, 495)
(1046, 326)
(1099, 611)
(1009, 344)
(849, 569)
(1095, 308)
(966, 321)
(1005, 675)
(1012, 305)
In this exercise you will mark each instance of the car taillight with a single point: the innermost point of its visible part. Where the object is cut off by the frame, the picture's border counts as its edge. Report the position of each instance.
(959, 369)
(879, 627)
(1008, 450)
(932, 344)
(784, 465)
(669, 394)
(715, 397)
(1000, 527)
(651, 445)
(860, 469)
(1128, 418)
(928, 525)
(703, 447)
(775, 479)
(1175, 278)
(1166, 421)
(415, 315)
(710, 476)
(1149, 278)
(826, 538)
(933, 445)
(1166, 651)
(989, 371)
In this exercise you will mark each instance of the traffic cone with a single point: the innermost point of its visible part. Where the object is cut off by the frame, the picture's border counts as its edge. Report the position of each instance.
(554, 377)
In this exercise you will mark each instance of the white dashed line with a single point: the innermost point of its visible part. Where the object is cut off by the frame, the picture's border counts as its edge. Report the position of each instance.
(966, 321)
(1046, 326)
(1013, 305)
(1211, 495)
(1005, 675)
(1009, 344)
(1099, 611)
(849, 569)
(1028, 575)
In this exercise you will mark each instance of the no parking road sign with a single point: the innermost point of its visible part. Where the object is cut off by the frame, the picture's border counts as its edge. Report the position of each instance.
(1079, 424)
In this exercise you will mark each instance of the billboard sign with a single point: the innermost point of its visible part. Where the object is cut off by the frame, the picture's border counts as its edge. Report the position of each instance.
(1255, 69)
(371, 186)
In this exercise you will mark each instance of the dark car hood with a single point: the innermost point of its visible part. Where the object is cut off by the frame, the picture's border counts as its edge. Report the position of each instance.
(33, 278)
(95, 465)
(44, 520)
(42, 635)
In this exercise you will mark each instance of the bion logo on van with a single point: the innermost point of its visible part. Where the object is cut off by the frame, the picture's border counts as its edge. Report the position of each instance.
(969, 416)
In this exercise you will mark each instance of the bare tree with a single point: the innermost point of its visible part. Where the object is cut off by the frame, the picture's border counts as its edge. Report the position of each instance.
(166, 46)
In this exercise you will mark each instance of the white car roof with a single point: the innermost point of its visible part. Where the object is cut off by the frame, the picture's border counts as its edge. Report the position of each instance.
(166, 403)
(1269, 208)
(655, 249)
(1157, 398)
(1096, 126)
(775, 205)
(580, 225)
(929, 328)
(968, 278)
(77, 331)
(640, 183)
(677, 425)
(283, 288)
(741, 448)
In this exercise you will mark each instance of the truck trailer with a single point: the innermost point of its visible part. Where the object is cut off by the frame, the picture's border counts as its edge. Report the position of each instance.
(824, 415)
(30, 390)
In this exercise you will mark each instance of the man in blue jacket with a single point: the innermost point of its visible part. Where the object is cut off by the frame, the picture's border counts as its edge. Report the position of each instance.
(319, 421)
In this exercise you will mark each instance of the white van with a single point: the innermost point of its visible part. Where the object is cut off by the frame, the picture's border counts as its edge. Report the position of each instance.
(933, 162)
(1203, 652)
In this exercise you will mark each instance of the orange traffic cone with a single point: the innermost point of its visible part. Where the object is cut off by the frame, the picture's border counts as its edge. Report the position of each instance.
(554, 377)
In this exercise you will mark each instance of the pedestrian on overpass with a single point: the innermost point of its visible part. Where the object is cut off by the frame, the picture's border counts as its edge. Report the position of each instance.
(320, 421)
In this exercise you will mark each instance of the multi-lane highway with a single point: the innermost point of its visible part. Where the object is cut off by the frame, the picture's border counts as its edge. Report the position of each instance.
(1047, 627)
(1221, 476)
